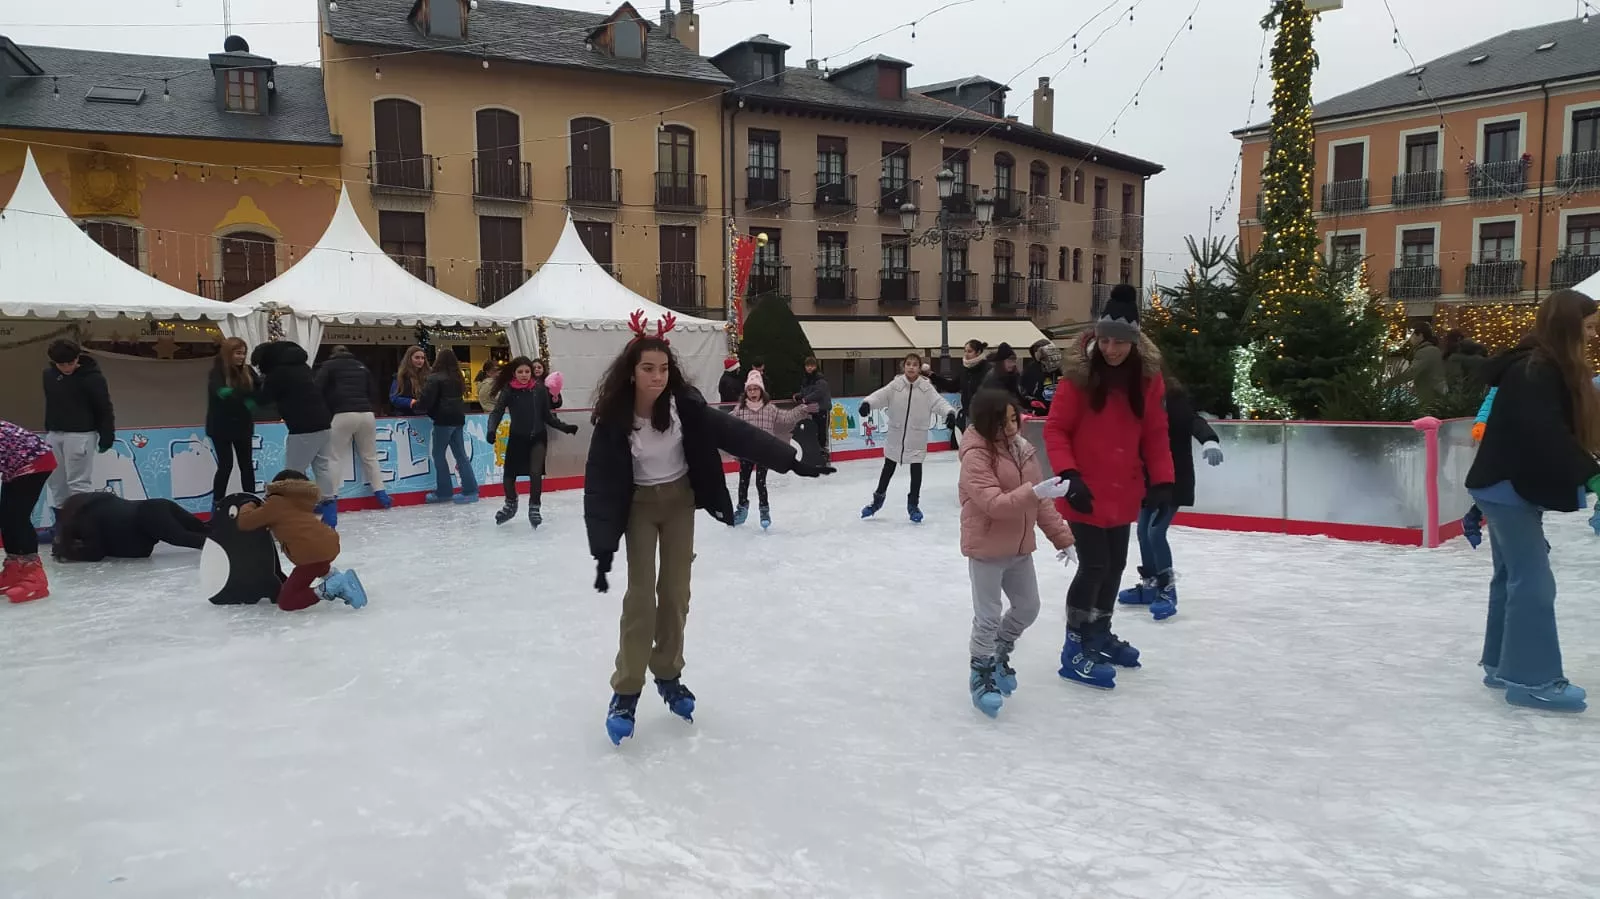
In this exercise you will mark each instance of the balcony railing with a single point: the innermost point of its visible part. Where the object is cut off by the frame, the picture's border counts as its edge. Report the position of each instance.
(1099, 294)
(962, 200)
(1492, 180)
(1344, 196)
(390, 172)
(1010, 291)
(1578, 171)
(1415, 282)
(1041, 295)
(680, 286)
(1105, 223)
(1418, 188)
(1042, 212)
(210, 288)
(766, 188)
(497, 279)
(896, 192)
(1495, 279)
(418, 267)
(680, 191)
(1568, 271)
(961, 289)
(835, 191)
(1010, 205)
(507, 180)
(770, 280)
(898, 287)
(836, 285)
(591, 186)
(1132, 234)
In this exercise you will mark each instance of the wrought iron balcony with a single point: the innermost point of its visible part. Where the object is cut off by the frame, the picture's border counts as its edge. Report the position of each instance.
(1042, 212)
(896, 192)
(835, 191)
(897, 287)
(1131, 236)
(1099, 294)
(1578, 171)
(210, 288)
(418, 267)
(1010, 291)
(836, 285)
(1570, 270)
(1495, 279)
(1041, 295)
(1415, 282)
(1344, 196)
(390, 172)
(592, 186)
(1010, 205)
(1105, 223)
(962, 200)
(766, 188)
(1418, 189)
(961, 289)
(680, 192)
(497, 279)
(502, 180)
(770, 280)
(1492, 180)
(680, 286)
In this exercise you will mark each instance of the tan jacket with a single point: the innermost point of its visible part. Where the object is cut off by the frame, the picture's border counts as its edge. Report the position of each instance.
(486, 397)
(289, 513)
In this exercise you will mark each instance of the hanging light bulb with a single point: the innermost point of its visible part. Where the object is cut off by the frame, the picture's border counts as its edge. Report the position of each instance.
(55, 87)
(235, 174)
(377, 70)
(302, 170)
(486, 63)
(166, 93)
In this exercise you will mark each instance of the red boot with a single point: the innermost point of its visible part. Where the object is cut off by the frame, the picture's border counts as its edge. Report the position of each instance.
(30, 582)
(9, 572)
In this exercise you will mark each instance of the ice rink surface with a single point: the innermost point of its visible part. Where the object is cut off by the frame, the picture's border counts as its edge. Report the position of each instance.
(1310, 725)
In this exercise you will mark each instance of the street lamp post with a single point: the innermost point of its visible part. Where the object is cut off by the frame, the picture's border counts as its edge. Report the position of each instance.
(942, 234)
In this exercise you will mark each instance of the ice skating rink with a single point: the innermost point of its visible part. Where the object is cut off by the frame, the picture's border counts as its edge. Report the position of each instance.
(1310, 725)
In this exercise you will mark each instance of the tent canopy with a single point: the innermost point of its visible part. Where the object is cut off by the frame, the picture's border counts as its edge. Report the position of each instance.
(348, 279)
(49, 268)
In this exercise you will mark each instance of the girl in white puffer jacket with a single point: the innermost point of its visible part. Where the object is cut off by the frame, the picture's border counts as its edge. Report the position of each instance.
(912, 406)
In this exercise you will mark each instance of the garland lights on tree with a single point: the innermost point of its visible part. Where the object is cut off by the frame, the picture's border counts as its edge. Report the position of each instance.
(1289, 251)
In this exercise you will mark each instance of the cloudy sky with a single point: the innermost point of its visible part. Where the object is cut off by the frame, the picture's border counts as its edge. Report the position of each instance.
(1200, 88)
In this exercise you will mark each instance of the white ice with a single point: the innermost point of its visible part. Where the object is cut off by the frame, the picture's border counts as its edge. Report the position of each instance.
(1310, 725)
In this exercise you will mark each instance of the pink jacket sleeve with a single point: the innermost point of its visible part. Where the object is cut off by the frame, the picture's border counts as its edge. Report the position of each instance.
(1154, 444)
(1058, 425)
(984, 490)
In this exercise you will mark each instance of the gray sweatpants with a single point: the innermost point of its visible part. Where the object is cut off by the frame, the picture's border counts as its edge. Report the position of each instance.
(311, 454)
(1015, 578)
(74, 472)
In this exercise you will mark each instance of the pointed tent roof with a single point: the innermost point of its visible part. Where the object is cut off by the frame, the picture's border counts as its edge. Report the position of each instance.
(50, 268)
(347, 278)
(571, 285)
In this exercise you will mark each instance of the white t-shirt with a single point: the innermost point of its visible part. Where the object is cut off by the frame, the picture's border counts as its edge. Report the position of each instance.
(658, 455)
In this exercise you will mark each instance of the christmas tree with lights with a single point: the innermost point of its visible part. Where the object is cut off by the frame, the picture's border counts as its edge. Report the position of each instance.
(1200, 323)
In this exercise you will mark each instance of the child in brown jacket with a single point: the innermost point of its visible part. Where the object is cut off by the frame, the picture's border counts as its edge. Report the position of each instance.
(290, 514)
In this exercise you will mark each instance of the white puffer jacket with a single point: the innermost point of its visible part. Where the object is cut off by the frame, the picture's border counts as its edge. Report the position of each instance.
(911, 408)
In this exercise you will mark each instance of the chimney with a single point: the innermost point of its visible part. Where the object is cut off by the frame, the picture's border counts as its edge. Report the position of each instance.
(669, 20)
(688, 26)
(811, 64)
(1044, 106)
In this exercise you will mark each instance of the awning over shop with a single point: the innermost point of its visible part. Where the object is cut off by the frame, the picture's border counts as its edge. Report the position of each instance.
(923, 333)
(863, 339)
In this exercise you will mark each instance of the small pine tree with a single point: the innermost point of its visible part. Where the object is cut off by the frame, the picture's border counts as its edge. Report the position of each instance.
(773, 334)
(1200, 323)
(1328, 339)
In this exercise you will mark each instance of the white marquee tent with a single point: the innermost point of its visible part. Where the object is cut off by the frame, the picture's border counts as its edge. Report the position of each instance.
(586, 313)
(347, 279)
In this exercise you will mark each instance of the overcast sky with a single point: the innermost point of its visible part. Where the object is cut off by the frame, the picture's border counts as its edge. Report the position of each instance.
(1182, 120)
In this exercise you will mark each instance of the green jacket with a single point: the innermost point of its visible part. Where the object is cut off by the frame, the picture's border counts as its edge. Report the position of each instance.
(1425, 374)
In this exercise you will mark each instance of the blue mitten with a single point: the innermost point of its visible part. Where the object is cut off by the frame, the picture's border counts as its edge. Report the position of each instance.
(1472, 526)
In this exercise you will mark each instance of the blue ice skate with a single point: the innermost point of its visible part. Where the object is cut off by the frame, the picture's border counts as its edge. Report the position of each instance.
(619, 717)
(1165, 604)
(677, 697)
(328, 511)
(434, 499)
(1111, 649)
(464, 499)
(1491, 678)
(1005, 676)
(1078, 665)
(1558, 696)
(382, 496)
(741, 514)
(914, 513)
(872, 509)
(986, 695)
(345, 585)
(766, 517)
(1142, 593)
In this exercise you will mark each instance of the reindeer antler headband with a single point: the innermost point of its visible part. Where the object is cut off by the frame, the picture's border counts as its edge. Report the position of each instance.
(640, 326)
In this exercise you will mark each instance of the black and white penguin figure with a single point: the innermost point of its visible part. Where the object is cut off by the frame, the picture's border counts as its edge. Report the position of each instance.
(238, 567)
(808, 446)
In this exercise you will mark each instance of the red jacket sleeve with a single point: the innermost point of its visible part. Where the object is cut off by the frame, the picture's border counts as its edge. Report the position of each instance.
(1058, 425)
(1154, 444)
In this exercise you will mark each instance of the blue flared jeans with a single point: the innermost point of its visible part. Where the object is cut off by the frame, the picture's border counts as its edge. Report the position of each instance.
(1155, 553)
(454, 440)
(1519, 637)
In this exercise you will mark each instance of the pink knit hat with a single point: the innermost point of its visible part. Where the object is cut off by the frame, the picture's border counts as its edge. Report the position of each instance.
(756, 379)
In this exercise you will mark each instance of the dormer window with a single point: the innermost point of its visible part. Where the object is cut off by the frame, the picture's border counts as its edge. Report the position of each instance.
(243, 90)
(627, 41)
(766, 65)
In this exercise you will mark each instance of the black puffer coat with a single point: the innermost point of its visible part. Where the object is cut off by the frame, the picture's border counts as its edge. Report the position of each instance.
(972, 378)
(345, 383)
(230, 417)
(287, 382)
(79, 403)
(441, 400)
(531, 409)
(1530, 438)
(1183, 425)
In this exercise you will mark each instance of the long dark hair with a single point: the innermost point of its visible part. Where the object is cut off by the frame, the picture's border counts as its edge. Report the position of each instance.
(407, 381)
(988, 415)
(445, 364)
(613, 399)
(239, 377)
(508, 372)
(1127, 377)
(1558, 341)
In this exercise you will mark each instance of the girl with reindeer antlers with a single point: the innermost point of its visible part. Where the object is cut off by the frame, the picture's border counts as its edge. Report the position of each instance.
(655, 457)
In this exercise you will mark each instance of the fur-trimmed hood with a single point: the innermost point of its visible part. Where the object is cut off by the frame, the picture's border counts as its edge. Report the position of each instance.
(303, 494)
(1075, 364)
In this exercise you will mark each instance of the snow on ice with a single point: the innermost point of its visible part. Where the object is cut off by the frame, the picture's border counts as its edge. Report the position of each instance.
(1310, 725)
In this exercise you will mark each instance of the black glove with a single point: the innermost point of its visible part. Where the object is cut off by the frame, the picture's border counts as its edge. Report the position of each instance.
(1159, 496)
(1078, 496)
(570, 429)
(950, 422)
(602, 565)
(106, 443)
(864, 411)
(812, 471)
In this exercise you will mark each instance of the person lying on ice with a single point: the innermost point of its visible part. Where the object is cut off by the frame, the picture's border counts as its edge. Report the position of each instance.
(96, 526)
(290, 515)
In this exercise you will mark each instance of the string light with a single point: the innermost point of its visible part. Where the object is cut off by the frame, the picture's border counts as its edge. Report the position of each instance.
(1289, 243)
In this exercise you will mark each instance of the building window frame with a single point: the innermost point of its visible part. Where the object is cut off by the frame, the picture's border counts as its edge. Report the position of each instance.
(1365, 141)
(140, 242)
(1570, 213)
(1399, 240)
(1331, 236)
(1568, 113)
(221, 234)
(1403, 149)
(1476, 247)
(247, 98)
(1521, 118)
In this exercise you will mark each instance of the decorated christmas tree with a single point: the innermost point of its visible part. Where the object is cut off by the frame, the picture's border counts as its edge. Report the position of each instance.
(1201, 322)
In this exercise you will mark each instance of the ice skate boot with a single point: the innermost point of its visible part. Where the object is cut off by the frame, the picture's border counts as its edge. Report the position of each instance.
(766, 517)
(1109, 648)
(1005, 676)
(1140, 594)
(619, 717)
(9, 572)
(345, 585)
(677, 697)
(1559, 696)
(741, 514)
(466, 499)
(913, 512)
(872, 509)
(986, 696)
(535, 516)
(29, 583)
(382, 496)
(1165, 604)
(1491, 678)
(507, 511)
(434, 499)
(1077, 664)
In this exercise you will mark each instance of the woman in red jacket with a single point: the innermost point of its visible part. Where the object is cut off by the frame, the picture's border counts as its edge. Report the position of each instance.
(1106, 431)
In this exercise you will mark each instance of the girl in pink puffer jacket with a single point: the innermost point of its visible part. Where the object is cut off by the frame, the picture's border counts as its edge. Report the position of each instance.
(1003, 498)
(25, 465)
